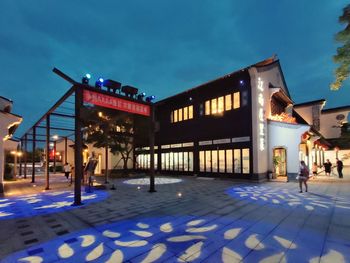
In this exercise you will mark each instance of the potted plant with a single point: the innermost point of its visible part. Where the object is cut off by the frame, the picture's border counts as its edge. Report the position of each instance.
(276, 160)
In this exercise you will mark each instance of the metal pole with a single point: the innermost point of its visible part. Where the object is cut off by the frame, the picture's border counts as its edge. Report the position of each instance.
(78, 149)
(106, 164)
(151, 144)
(20, 158)
(25, 156)
(54, 157)
(65, 149)
(33, 155)
(47, 164)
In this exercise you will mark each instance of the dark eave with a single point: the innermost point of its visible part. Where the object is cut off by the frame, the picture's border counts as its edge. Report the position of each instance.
(6, 99)
(309, 103)
(263, 63)
(343, 108)
(4, 112)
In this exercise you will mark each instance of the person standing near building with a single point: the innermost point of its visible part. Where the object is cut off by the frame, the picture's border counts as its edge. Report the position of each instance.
(90, 169)
(340, 168)
(303, 176)
(67, 170)
(314, 170)
(327, 167)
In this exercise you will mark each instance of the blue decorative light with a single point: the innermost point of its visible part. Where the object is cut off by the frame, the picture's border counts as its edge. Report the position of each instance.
(241, 82)
(150, 98)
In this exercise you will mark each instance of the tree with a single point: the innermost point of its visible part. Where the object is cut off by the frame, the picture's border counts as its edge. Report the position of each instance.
(342, 57)
(106, 128)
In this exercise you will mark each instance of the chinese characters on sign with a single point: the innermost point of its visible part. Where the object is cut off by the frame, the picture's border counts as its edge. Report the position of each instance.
(116, 103)
(261, 115)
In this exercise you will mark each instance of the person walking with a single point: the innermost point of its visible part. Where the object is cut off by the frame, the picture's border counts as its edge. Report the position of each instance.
(327, 167)
(340, 168)
(303, 176)
(67, 170)
(90, 169)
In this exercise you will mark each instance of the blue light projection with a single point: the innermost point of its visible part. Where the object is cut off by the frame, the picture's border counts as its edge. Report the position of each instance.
(157, 181)
(181, 239)
(44, 203)
(277, 196)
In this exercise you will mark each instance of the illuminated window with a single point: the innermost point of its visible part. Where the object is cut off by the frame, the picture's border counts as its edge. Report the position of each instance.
(221, 161)
(236, 100)
(155, 161)
(228, 102)
(237, 161)
(214, 161)
(167, 161)
(186, 166)
(162, 161)
(228, 161)
(185, 113)
(207, 161)
(220, 104)
(190, 112)
(207, 107)
(245, 161)
(175, 115)
(214, 106)
(171, 161)
(190, 161)
(180, 114)
(181, 161)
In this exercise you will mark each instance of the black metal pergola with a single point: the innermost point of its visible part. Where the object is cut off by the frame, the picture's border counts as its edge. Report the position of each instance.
(64, 121)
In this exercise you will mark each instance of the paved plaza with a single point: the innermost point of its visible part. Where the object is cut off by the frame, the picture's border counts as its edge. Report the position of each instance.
(187, 220)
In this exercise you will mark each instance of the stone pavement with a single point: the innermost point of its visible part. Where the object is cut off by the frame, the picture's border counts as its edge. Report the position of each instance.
(193, 220)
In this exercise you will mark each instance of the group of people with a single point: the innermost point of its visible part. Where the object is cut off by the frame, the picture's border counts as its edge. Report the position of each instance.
(304, 173)
(88, 169)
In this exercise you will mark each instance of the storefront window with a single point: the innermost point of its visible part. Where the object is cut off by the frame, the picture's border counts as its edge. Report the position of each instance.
(207, 161)
(228, 161)
(245, 160)
(237, 160)
(181, 161)
(220, 104)
(190, 161)
(176, 161)
(167, 161)
(236, 100)
(228, 102)
(201, 161)
(214, 161)
(186, 166)
(155, 161)
(222, 161)
(171, 161)
(163, 161)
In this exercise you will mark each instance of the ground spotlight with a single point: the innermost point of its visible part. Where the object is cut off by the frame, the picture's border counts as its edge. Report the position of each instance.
(86, 78)
(150, 98)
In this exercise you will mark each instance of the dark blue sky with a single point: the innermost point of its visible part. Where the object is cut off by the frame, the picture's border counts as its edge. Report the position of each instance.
(163, 47)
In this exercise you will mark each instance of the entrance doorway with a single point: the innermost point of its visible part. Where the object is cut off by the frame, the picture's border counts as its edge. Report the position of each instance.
(280, 161)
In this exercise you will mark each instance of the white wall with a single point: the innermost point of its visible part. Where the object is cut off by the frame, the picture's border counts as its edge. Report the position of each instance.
(287, 136)
(343, 155)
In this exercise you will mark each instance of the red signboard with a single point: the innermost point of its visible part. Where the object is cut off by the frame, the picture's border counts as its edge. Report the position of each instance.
(116, 103)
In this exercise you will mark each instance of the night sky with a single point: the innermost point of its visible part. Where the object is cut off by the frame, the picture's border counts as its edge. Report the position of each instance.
(163, 47)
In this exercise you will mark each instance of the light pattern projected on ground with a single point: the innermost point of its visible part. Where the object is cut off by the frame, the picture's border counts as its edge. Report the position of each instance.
(44, 203)
(178, 239)
(277, 196)
(159, 180)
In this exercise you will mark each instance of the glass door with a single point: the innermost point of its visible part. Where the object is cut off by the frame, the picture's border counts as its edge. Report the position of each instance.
(280, 161)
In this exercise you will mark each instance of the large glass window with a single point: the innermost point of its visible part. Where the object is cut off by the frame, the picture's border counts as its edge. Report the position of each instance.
(167, 157)
(207, 107)
(190, 161)
(181, 161)
(228, 161)
(214, 161)
(222, 161)
(176, 161)
(155, 161)
(236, 100)
(228, 102)
(171, 161)
(207, 161)
(162, 161)
(186, 166)
(220, 104)
(202, 161)
(245, 160)
(214, 106)
(180, 114)
(185, 113)
(237, 160)
(190, 112)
